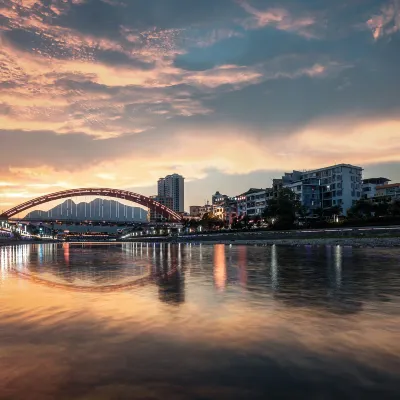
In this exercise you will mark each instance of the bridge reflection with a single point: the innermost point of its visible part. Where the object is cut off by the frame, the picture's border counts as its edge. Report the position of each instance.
(319, 277)
(60, 266)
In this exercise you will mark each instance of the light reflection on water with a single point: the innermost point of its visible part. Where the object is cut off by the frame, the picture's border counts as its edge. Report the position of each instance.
(190, 321)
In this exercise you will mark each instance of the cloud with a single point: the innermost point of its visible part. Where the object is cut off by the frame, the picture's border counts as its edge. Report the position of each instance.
(228, 149)
(194, 91)
(387, 22)
(103, 100)
(280, 18)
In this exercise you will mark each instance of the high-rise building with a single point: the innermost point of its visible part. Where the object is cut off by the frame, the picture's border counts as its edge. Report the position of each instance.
(173, 186)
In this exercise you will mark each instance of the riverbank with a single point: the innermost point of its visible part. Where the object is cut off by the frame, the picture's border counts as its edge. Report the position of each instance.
(351, 242)
(13, 242)
(355, 238)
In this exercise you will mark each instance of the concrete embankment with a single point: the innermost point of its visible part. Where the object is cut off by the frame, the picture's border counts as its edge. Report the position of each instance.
(364, 237)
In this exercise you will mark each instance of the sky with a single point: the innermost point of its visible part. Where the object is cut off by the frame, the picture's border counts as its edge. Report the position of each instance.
(227, 93)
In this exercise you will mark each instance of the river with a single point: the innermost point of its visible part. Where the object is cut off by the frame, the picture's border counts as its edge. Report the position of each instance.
(196, 321)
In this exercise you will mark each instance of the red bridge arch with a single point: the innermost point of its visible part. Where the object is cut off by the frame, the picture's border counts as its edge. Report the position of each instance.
(116, 193)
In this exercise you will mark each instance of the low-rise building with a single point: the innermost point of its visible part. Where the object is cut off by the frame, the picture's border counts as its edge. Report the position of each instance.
(207, 208)
(277, 185)
(388, 192)
(255, 201)
(218, 198)
(219, 211)
(194, 211)
(369, 186)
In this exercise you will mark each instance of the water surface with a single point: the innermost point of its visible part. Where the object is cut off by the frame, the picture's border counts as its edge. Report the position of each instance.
(158, 321)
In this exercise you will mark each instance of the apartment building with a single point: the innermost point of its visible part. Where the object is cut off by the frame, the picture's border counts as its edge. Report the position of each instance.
(309, 192)
(173, 186)
(369, 186)
(255, 201)
(336, 185)
(388, 192)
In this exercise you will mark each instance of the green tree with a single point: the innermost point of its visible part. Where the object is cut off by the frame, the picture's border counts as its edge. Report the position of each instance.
(381, 209)
(245, 222)
(334, 210)
(283, 209)
(209, 221)
(394, 208)
(363, 208)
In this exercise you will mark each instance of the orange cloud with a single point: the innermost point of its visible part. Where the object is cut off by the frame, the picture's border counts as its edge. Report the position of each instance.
(234, 150)
(278, 17)
(388, 22)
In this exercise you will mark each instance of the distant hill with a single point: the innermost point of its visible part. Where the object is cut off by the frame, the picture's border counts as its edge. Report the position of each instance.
(96, 210)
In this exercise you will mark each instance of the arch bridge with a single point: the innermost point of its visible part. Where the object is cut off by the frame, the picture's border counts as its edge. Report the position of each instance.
(105, 192)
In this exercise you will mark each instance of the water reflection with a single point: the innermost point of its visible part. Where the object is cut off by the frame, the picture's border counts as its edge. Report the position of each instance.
(329, 277)
(200, 321)
(219, 266)
(274, 268)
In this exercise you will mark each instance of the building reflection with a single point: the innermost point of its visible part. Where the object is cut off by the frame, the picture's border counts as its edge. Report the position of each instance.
(242, 264)
(338, 256)
(274, 268)
(311, 279)
(219, 267)
(170, 275)
(333, 278)
(66, 253)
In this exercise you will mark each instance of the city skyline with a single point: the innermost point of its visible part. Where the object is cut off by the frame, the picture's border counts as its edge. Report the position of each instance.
(229, 94)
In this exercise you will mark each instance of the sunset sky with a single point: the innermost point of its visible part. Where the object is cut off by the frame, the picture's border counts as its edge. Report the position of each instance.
(228, 93)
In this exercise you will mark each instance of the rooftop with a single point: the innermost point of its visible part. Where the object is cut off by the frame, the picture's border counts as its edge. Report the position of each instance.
(376, 180)
(333, 166)
(392, 185)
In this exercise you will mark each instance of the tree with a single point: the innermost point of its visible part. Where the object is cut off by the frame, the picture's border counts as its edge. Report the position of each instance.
(381, 209)
(245, 222)
(235, 223)
(361, 209)
(331, 211)
(319, 212)
(282, 210)
(209, 221)
(394, 208)
(257, 220)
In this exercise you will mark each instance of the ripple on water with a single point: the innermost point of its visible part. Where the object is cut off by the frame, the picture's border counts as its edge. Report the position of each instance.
(203, 321)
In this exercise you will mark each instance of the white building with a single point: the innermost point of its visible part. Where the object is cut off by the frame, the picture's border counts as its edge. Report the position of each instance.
(337, 185)
(369, 186)
(173, 186)
(255, 202)
(391, 191)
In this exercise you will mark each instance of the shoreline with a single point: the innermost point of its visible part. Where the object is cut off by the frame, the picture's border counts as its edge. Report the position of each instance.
(389, 242)
(357, 242)
(23, 242)
(345, 242)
